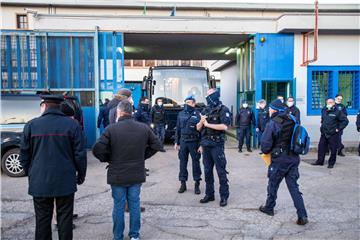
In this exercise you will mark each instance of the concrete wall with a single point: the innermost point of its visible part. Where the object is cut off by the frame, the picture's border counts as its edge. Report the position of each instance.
(228, 86)
(332, 50)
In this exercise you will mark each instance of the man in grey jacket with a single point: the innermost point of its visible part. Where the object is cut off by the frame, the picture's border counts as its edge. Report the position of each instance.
(125, 145)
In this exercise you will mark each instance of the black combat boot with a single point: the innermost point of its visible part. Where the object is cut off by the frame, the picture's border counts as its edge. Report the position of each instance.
(302, 221)
(182, 187)
(249, 150)
(266, 211)
(207, 199)
(223, 202)
(341, 153)
(197, 187)
(240, 150)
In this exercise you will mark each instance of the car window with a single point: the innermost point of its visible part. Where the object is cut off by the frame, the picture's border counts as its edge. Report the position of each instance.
(19, 109)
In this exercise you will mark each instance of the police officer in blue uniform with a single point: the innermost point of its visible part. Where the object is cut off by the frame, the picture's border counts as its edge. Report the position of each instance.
(187, 140)
(262, 119)
(214, 122)
(244, 118)
(284, 162)
(333, 121)
(292, 109)
(341, 107)
(53, 155)
(142, 113)
(157, 114)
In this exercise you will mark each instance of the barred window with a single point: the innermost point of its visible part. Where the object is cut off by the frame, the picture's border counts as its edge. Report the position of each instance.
(320, 88)
(22, 21)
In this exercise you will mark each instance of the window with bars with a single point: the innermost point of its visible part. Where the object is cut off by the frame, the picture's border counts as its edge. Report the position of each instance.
(327, 81)
(320, 82)
(22, 21)
(347, 82)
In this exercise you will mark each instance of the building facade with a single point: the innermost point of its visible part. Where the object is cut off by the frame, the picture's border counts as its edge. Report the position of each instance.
(84, 48)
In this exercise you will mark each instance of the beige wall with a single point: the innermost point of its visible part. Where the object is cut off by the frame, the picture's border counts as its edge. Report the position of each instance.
(8, 13)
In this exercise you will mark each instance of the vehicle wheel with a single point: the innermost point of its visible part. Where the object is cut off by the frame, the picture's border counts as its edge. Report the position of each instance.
(10, 163)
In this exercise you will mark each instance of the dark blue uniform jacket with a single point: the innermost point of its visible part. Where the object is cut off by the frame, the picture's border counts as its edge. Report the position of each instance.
(52, 153)
(186, 126)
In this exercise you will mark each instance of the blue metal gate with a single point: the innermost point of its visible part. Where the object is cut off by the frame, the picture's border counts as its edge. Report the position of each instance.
(80, 63)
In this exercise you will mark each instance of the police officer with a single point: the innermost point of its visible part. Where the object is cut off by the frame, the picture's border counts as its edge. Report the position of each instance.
(358, 127)
(341, 107)
(262, 119)
(284, 162)
(333, 121)
(244, 118)
(142, 114)
(292, 109)
(187, 140)
(157, 114)
(103, 118)
(53, 155)
(214, 122)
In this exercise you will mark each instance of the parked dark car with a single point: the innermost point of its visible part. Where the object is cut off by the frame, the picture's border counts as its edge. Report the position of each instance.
(16, 110)
(10, 150)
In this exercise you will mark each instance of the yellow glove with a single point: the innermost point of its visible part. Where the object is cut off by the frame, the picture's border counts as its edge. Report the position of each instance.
(266, 158)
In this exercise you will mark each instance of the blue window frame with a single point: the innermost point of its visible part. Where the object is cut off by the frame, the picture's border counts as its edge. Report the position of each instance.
(327, 81)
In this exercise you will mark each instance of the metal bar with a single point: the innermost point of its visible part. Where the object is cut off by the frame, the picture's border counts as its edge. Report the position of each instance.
(76, 60)
(18, 59)
(57, 62)
(48, 67)
(122, 61)
(28, 61)
(38, 63)
(86, 63)
(9, 61)
(55, 89)
(97, 80)
(66, 67)
(105, 59)
(113, 48)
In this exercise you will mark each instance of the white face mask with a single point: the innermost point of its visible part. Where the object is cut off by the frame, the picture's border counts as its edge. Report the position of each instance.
(290, 104)
(329, 106)
(262, 106)
(160, 103)
(245, 105)
(338, 101)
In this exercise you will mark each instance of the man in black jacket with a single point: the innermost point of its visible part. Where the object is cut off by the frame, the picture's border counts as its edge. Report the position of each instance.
(333, 122)
(341, 107)
(53, 155)
(125, 145)
(122, 94)
(157, 114)
(292, 109)
(103, 118)
(244, 118)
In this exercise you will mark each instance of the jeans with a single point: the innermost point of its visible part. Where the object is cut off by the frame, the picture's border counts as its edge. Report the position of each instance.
(131, 194)
(44, 207)
(160, 132)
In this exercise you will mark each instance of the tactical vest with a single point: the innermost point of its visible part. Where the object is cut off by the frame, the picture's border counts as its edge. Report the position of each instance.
(283, 142)
(213, 117)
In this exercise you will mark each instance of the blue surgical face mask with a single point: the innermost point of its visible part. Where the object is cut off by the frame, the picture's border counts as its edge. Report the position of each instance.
(213, 99)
